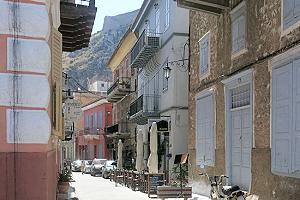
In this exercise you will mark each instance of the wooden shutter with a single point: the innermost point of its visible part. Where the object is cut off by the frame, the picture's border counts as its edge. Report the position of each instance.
(205, 131)
(241, 32)
(204, 55)
(235, 33)
(282, 118)
(56, 75)
(288, 13)
(296, 118)
(297, 9)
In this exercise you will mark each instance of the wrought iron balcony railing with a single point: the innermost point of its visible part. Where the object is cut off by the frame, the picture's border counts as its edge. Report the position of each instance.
(92, 131)
(145, 105)
(119, 89)
(143, 50)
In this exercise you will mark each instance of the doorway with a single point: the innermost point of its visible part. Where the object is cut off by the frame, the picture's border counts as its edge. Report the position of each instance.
(238, 91)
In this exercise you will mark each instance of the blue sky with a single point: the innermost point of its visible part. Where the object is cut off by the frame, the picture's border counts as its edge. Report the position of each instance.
(113, 7)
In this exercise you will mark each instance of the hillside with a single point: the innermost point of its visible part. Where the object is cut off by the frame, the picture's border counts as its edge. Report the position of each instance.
(91, 63)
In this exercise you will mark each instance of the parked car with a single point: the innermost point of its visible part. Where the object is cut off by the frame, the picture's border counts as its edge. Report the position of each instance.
(87, 166)
(97, 166)
(76, 166)
(109, 166)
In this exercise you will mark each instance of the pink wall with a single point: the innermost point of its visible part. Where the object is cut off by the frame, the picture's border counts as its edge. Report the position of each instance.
(85, 140)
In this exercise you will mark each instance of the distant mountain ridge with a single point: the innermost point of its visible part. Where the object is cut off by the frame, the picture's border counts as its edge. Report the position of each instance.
(90, 64)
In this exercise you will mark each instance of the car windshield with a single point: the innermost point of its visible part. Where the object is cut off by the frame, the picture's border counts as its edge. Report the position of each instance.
(99, 162)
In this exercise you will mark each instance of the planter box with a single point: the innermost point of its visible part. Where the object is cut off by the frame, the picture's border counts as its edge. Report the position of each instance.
(165, 192)
(63, 187)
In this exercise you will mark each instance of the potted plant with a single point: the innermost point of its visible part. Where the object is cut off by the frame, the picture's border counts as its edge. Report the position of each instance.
(64, 181)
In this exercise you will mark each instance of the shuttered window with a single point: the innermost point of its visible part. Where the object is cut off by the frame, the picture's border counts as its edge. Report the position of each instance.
(56, 76)
(100, 120)
(291, 13)
(204, 55)
(286, 119)
(167, 14)
(157, 21)
(95, 120)
(86, 121)
(205, 132)
(238, 28)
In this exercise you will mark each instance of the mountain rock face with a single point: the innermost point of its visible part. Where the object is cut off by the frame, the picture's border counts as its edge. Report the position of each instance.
(90, 64)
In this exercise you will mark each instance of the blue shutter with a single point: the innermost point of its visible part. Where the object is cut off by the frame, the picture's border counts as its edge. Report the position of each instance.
(241, 33)
(296, 118)
(282, 118)
(288, 12)
(95, 120)
(86, 121)
(297, 9)
(100, 120)
(204, 55)
(205, 131)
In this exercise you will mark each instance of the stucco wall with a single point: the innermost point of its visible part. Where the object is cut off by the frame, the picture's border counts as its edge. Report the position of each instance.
(264, 41)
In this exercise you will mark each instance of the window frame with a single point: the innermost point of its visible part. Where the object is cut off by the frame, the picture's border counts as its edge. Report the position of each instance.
(204, 94)
(235, 14)
(205, 75)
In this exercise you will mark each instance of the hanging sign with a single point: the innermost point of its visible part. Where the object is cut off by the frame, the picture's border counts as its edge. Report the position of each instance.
(72, 111)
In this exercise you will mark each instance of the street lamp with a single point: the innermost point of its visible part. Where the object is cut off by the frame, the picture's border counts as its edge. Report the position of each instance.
(167, 71)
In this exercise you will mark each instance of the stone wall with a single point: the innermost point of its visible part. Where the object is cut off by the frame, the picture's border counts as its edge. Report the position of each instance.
(264, 40)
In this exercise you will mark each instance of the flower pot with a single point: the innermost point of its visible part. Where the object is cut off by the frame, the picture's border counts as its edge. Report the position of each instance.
(63, 187)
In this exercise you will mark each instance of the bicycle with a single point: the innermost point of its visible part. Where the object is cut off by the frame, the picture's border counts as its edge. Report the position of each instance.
(220, 192)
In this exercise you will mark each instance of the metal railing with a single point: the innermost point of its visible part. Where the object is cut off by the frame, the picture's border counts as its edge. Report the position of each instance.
(148, 38)
(121, 81)
(146, 104)
(92, 131)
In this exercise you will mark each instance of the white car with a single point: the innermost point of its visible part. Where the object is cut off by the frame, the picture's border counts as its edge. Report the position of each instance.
(109, 166)
(97, 166)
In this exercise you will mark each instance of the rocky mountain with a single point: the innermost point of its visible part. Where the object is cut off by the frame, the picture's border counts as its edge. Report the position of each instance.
(91, 63)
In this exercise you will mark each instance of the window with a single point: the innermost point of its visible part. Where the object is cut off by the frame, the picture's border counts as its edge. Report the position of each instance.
(102, 84)
(157, 21)
(167, 14)
(204, 55)
(86, 121)
(238, 28)
(205, 132)
(291, 13)
(240, 96)
(91, 121)
(100, 120)
(286, 117)
(95, 120)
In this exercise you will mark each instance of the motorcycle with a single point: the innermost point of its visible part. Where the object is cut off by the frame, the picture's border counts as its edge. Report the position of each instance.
(220, 192)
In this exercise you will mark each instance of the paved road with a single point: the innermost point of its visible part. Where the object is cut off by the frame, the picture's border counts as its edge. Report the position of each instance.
(88, 187)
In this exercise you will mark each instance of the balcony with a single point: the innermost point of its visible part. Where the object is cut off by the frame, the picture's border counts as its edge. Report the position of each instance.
(146, 106)
(119, 129)
(118, 90)
(208, 6)
(91, 131)
(77, 20)
(143, 50)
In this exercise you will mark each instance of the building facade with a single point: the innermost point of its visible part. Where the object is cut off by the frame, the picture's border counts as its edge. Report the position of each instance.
(92, 141)
(120, 94)
(32, 39)
(244, 61)
(162, 31)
